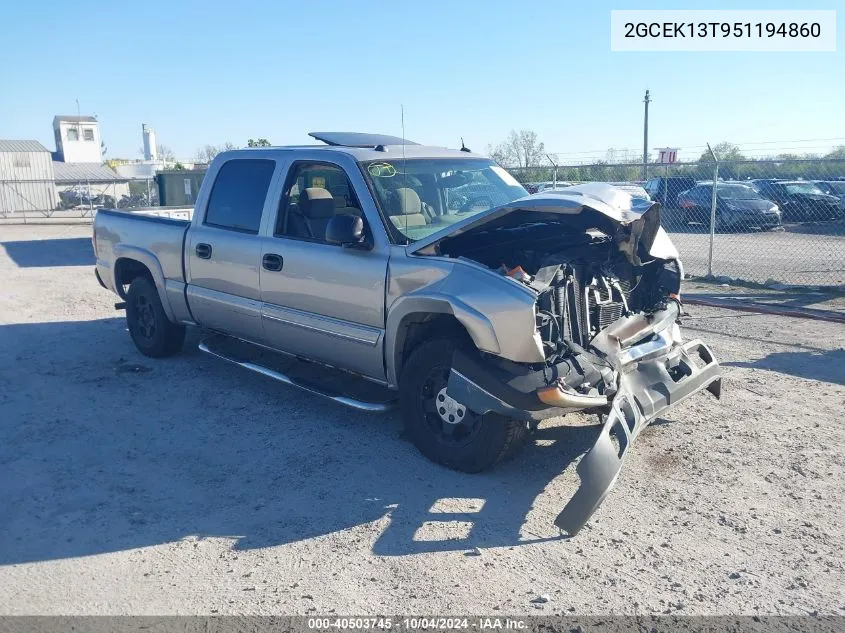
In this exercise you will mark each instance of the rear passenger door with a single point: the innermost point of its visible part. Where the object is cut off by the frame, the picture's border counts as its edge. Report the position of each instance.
(320, 300)
(223, 251)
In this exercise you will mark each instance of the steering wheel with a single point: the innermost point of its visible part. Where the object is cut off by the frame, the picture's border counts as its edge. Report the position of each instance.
(472, 201)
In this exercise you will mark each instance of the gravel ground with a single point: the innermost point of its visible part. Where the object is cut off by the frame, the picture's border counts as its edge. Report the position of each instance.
(808, 254)
(181, 486)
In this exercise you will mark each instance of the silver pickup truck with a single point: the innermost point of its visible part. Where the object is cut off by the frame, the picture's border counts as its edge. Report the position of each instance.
(478, 309)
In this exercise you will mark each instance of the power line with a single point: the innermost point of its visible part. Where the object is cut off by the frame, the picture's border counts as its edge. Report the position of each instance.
(601, 152)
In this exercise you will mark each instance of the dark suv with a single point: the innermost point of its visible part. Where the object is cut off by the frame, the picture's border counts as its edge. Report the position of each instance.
(665, 190)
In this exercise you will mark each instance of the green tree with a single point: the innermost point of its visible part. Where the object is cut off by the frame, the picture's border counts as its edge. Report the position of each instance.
(837, 152)
(261, 142)
(723, 151)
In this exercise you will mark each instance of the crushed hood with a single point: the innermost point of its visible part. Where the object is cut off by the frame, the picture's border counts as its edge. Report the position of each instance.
(633, 221)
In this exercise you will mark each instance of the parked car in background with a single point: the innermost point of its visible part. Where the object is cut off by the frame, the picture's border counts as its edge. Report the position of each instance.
(531, 187)
(665, 190)
(552, 185)
(799, 200)
(833, 188)
(738, 207)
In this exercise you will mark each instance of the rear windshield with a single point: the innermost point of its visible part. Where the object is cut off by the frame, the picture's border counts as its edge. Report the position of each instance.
(737, 192)
(802, 187)
(837, 187)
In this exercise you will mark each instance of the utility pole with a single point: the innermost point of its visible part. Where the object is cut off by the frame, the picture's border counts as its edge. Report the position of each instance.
(646, 101)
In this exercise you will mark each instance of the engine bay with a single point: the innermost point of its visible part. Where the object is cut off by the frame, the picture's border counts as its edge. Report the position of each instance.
(583, 279)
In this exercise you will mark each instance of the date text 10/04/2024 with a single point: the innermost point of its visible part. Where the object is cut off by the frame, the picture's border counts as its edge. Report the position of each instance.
(417, 623)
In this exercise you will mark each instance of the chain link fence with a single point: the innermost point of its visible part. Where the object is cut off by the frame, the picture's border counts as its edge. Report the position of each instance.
(46, 200)
(764, 221)
(778, 222)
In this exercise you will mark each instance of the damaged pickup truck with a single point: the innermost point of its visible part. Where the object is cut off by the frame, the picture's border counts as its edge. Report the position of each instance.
(478, 309)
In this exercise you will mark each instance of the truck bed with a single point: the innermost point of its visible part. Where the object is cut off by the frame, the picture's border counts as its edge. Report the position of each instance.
(124, 238)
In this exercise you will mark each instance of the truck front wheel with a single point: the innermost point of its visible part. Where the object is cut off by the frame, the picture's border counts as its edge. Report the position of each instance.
(152, 332)
(444, 430)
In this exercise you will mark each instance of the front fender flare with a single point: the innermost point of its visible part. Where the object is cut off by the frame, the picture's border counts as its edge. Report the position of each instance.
(477, 325)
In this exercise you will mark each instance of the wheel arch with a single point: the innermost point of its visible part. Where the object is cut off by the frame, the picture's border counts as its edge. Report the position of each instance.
(133, 262)
(421, 318)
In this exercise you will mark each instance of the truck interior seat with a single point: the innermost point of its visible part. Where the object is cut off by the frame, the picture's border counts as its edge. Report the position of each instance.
(311, 215)
(406, 209)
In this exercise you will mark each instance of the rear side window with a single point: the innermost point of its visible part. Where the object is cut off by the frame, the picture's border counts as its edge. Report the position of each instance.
(237, 197)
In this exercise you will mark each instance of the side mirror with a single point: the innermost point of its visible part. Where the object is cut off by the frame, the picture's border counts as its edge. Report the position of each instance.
(346, 230)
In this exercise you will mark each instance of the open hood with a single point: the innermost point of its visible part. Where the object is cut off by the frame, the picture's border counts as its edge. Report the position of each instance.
(633, 222)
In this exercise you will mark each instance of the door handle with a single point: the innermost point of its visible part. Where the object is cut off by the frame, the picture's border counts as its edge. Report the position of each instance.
(203, 251)
(272, 262)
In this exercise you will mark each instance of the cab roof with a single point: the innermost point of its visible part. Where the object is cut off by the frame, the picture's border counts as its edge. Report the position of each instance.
(366, 147)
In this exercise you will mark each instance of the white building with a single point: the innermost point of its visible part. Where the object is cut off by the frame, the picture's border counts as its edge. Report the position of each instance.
(77, 139)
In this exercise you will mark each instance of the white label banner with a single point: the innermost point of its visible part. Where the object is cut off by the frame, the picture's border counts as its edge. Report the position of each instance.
(723, 30)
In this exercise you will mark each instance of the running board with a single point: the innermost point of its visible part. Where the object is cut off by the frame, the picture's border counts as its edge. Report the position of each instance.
(275, 375)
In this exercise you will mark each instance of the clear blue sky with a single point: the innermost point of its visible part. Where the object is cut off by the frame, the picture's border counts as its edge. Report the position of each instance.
(209, 72)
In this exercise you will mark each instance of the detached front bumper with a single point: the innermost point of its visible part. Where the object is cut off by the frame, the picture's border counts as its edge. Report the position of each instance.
(651, 369)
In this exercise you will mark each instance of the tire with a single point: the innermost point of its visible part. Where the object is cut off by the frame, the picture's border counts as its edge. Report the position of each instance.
(152, 332)
(471, 445)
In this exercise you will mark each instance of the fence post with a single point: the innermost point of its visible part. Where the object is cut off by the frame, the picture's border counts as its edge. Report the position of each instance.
(712, 211)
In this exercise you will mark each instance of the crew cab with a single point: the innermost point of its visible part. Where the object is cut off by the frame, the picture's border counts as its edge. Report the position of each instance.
(427, 275)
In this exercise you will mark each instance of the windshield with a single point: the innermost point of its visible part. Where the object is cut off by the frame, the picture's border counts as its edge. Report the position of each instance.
(737, 192)
(802, 187)
(421, 196)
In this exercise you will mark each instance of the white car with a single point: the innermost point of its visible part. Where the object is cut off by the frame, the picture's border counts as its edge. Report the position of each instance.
(632, 188)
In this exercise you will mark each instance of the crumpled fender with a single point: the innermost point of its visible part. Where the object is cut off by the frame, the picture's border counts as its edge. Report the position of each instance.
(497, 313)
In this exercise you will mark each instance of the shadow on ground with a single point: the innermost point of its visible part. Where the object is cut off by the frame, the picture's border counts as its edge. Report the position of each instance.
(823, 365)
(72, 251)
(105, 450)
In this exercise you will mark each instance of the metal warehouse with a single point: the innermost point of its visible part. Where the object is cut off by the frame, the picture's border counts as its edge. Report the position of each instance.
(26, 177)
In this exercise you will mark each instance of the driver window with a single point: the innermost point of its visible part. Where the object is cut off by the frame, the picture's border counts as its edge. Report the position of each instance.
(314, 194)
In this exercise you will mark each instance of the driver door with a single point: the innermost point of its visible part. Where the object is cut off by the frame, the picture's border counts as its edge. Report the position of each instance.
(319, 300)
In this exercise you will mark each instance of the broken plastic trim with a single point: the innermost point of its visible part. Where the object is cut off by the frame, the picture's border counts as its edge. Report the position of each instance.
(646, 390)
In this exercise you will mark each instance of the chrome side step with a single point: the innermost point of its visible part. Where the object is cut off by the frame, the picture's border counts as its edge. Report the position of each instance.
(275, 375)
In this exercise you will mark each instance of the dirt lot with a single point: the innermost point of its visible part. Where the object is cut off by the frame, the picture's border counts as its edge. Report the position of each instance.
(129, 485)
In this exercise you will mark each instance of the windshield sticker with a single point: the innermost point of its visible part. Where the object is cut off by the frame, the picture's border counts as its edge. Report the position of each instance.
(382, 170)
(510, 181)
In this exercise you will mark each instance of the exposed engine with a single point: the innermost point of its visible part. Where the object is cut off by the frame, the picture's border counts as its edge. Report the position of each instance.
(587, 273)
(586, 289)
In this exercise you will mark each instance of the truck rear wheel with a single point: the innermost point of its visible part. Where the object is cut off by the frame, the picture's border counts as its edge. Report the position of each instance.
(444, 430)
(152, 332)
